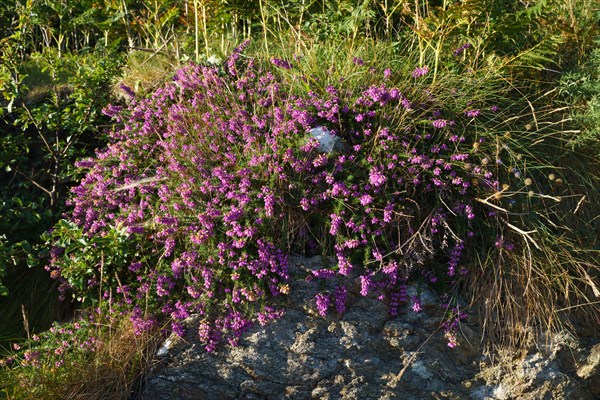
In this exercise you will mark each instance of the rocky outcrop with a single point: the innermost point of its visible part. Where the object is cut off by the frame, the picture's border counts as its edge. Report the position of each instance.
(365, 354)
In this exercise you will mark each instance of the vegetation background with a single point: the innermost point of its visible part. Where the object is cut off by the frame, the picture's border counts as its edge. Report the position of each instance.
(63, 62)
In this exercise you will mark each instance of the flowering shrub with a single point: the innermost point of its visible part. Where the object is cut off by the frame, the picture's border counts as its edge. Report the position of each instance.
(204, 176)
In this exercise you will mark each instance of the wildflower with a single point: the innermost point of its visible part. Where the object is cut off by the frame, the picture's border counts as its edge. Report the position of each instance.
(340, 296)
(336, 223)
(452, 341)
(111, 111)
(461, 49)
(323, 273)
(439, 123)
(455, 255)
(387, 73)
(323, 302)
(394, 302)
(366, 199)
(376, 178)
(281, 63)
(128, 91)
(419, 72)
(416, 307)
(365, 284)
(473, 113)
(358, 61)
(32, 358)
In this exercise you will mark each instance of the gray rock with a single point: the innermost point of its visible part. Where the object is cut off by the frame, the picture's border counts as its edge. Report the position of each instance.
(365, 354)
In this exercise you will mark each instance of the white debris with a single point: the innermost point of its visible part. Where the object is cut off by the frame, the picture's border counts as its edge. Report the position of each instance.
(165, 347)
(328, 142)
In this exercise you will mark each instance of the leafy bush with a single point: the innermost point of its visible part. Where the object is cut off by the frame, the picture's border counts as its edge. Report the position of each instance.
(50, 116)
(53, 120)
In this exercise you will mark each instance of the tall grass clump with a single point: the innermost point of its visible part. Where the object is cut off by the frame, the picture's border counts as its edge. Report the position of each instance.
(211, 182)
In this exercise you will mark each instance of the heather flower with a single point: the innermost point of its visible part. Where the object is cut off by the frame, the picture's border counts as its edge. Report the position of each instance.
(358, 61)
(111, 110)
(340, 295)
(365, 199)
(323, 273)
(452, 341)
(323, 301)
(419, 72)
(344, 266)
(416, 307)
(366, 284)
(394, 302)
(204, 184)
(376, 177)
(281, 63)
(461, 49)
(455, 255)
(128, 91)
(32, 358)
(439, 123)
(336, 223)
(473, 113)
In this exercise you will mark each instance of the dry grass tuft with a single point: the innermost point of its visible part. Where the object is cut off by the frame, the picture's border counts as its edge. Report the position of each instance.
(527, 293)
(113, 371)
(146, 71)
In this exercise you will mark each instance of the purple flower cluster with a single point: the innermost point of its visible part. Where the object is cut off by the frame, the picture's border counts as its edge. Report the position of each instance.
(208, 172)
(452, 324)
(323, 301)
(186, 176)
(472, 113)
(281, 63)
(461, 49)
(420, 71)
(50, 348)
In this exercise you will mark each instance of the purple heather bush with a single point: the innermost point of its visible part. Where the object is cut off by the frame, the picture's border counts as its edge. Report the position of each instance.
(204, 175)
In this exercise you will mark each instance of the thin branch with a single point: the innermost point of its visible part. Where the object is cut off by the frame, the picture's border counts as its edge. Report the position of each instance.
(39, 186)
(39, 131)
(525, 234)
